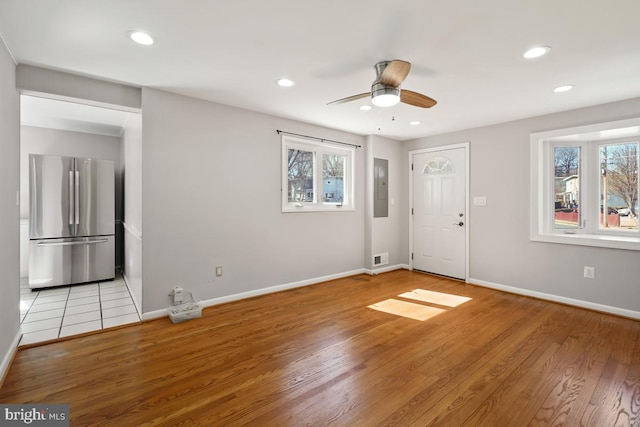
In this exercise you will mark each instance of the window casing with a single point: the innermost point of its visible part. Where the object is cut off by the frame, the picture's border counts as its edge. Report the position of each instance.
(576, 175)
(316, 176)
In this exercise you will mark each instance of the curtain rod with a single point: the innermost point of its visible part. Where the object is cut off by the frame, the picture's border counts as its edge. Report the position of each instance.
(316, 138)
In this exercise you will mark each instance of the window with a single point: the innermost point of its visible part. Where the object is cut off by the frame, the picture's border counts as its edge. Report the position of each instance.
(584, 185)
(438, 165)
(316, 176)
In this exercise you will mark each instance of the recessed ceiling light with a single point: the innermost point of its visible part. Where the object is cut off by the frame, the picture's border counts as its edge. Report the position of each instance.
(285, 82)
(366, 107)
(415, 123)
(536, 52)
(141, 38)
(563, 88)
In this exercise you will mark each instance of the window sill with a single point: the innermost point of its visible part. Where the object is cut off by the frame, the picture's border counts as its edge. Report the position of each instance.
(601, 241)
(324, 208)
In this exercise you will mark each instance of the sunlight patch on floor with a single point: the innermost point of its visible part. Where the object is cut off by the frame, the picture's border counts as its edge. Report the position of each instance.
(407, 309)
(425, 307)
(433, 297)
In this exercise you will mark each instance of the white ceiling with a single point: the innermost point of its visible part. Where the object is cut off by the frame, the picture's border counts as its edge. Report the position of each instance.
(467, 54)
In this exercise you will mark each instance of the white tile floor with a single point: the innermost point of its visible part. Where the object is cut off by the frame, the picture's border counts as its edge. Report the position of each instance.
(60, 312)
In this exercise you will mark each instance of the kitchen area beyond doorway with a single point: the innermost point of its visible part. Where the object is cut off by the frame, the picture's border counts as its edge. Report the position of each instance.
(51, 127)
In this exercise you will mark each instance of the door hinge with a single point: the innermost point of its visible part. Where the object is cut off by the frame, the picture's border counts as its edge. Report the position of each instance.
(411, 166)
(412, 256)
(411, 211)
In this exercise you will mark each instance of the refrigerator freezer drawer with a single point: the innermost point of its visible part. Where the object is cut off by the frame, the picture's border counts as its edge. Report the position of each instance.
(56, 262)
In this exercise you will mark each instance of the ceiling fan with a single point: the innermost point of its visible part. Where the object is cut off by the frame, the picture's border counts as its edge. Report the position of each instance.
(385, 89)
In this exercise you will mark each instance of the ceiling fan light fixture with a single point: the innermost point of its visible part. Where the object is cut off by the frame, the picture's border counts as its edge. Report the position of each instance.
(384, 96)
(385, 100)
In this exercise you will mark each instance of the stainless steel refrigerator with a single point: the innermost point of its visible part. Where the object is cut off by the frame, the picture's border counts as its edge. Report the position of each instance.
(71, 220)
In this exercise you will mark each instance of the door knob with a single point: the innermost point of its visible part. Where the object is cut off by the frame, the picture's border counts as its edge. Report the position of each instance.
(459, 224)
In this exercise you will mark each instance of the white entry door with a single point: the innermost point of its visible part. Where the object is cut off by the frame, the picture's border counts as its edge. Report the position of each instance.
(439, 219)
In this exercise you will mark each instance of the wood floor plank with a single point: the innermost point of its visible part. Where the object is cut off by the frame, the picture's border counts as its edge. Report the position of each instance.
(604, 396)
(625, 410)
(319, 355)
(468, 378)
(474, 396)
(574, 373)
(510, 393)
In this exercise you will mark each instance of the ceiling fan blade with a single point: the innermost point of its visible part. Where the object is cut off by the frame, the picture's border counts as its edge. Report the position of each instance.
(350, 98)
(416, 99)
(395, 73)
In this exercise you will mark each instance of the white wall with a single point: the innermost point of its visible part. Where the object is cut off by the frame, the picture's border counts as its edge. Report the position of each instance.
(388, 234)
(9, 210)
(211, 178)
(132, 161)
(500, 250)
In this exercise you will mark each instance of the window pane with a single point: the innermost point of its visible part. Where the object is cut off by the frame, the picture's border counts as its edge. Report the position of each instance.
(300, 175)
(333, 178)
(567, 188)
(438, 165)
(619, 186)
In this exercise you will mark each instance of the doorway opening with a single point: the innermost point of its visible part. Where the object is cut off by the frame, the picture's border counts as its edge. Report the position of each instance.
(54, 127)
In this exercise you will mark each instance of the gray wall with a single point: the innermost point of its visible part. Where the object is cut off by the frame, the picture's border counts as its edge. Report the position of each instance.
(211, 197)
(9, 209)
(132, 161)
(500, 250)
(388, 234)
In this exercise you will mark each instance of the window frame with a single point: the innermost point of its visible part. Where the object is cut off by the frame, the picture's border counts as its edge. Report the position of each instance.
(542, 167)
(319, 149)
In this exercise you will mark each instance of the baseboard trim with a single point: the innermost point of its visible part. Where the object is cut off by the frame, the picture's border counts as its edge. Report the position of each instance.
(623, 312)
(133, 298)
(258, 292)
(8, 358)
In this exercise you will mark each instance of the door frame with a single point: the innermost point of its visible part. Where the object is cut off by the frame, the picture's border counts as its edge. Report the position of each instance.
(465, 146)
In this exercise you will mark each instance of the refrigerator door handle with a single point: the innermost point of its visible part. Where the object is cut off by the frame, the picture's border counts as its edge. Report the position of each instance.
(71, 192)
(84, 242)
(77, 200)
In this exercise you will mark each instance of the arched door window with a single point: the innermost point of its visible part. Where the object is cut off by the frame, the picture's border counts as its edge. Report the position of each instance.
(438, 165)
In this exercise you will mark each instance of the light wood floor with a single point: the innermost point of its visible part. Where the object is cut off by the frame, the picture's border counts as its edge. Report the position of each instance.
(320, 356)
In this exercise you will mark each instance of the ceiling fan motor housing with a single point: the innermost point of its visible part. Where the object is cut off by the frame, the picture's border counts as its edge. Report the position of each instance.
(384, 95)
(378, 89)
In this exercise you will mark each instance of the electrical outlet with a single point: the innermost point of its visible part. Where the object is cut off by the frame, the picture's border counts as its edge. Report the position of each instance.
(590, 272)
(178, 295)
(218, 271)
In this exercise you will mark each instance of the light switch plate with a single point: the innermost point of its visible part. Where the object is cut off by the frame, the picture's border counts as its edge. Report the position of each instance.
(480, 201)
